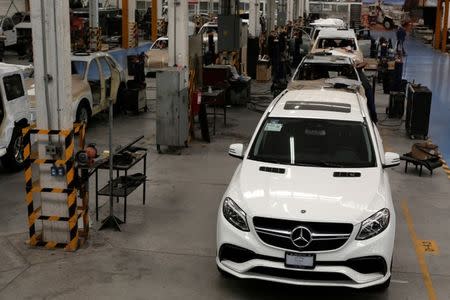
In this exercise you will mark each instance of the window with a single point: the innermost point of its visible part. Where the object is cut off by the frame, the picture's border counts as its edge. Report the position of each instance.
(324, 43)
(204, 7)
(314, 142)
(13, 87)
(111, 62)
(161, 44)
(106, 69)
(78, 67)
(94, 73)
(314, 71)
(215, 8)
(192, 9)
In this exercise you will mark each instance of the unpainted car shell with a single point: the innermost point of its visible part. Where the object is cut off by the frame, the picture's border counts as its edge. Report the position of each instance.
(81, 90)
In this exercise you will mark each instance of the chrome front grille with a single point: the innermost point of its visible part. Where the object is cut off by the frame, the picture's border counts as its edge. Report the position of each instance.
(324, 236)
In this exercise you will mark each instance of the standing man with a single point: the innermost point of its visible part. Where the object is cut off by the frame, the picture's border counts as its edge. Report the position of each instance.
(368, 91)
(401, 36)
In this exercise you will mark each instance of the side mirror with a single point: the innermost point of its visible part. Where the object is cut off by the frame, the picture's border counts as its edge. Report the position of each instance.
(391, 160)
(236, 150)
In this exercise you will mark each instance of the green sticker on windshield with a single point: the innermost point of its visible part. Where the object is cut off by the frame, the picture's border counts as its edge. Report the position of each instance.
(276, 127)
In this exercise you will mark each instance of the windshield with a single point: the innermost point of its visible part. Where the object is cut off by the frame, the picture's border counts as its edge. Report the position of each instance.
(161, 44)
(314, 142)
(324, 43)
(79, 67)
(208, 29)
(314, 71)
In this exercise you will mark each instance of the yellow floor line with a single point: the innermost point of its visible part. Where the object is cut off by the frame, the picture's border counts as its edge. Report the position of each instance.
(420, 254)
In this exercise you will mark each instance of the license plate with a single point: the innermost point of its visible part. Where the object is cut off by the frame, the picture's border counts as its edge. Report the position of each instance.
(300, 261)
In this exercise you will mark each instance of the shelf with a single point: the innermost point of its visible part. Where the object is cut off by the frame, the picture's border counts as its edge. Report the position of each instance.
(136, 159)
(123, 191)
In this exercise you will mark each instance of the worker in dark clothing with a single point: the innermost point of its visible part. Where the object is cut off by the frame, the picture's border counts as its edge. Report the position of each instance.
(262, 22)
(2, 48)
(297, 46)
(369, 93)
(401, 36)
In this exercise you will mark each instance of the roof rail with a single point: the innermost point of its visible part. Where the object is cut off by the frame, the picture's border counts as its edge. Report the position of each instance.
(275, 101)
(363, 112)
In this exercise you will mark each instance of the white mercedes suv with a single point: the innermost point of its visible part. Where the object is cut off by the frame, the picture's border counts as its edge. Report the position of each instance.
(310, 204)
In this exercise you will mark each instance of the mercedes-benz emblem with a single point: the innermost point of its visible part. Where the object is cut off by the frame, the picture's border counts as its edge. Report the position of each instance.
(301, 237)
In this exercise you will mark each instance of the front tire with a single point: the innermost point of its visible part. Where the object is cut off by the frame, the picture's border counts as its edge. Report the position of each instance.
(83, 114)
(14, 157)
(387, 24)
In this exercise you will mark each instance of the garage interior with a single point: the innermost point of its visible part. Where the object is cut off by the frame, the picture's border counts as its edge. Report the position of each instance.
(165, 87)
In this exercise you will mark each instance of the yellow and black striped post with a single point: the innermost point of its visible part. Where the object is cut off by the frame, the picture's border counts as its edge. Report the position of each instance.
(26, 132)
(69, 162)
(95, 39)
(72, 197)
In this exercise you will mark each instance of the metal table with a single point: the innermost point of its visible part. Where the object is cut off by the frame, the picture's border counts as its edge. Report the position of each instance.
(121, 192)
(215, 98)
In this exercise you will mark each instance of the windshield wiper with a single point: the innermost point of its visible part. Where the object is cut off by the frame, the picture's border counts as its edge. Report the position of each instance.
(269, 160)
(319, 164)
(331, 164)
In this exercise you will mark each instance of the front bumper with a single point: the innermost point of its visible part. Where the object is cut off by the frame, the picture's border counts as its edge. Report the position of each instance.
(332, 267)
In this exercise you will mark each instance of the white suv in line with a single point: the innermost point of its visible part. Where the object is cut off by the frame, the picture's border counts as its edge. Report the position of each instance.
(310, 204)
(338, 42)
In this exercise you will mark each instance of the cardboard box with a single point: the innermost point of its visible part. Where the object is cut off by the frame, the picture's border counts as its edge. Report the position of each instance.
(263, 71)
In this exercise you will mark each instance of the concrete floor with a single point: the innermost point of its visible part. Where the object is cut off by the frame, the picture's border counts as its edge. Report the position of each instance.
(167, 248)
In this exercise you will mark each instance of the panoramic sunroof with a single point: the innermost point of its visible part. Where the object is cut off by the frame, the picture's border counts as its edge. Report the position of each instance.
(323, 106)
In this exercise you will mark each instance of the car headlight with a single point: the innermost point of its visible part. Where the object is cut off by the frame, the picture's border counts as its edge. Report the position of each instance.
(235, 215)
(374, 225)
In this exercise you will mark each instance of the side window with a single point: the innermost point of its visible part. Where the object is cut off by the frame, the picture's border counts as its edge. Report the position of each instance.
(94, 72)
(111, 62)
(13, 87)
(78, 67)
(106, 69)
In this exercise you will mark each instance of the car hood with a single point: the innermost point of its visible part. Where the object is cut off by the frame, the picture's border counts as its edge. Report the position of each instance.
(325, 198)
(353, 54)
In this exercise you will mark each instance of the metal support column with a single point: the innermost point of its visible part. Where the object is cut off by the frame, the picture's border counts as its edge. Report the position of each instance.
(438, 27)
(125, 31)
(51, 49)
(290, 10)
(445, 27)
(155, 8)
(94, 28)
(253, 18)
(270, 16)
(178, 33)
(133, 37)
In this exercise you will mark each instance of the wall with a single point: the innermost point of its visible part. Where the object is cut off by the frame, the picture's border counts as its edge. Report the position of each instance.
(4, 4)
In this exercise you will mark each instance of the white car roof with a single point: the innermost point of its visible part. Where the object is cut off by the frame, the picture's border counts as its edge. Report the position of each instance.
(330, 22)
(336, 33)
(10, 68)
(323, 102)
(88, 56)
